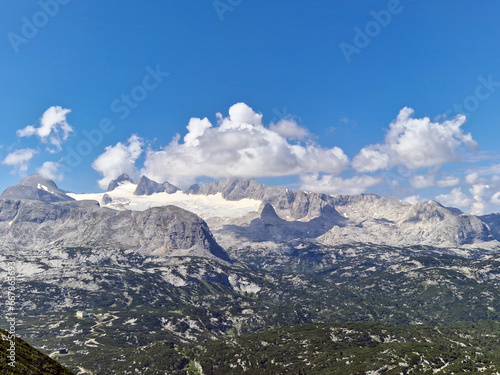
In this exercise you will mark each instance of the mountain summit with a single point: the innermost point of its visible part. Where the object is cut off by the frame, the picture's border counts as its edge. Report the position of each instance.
(35, 213)
(117, 181)
(38, 188)
(145, 186)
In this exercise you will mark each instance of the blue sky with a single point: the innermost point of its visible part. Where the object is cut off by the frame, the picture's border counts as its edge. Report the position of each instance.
(327, 88)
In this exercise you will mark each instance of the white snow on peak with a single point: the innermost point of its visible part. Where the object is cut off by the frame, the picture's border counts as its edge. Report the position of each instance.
(123, 198)
(43, 187)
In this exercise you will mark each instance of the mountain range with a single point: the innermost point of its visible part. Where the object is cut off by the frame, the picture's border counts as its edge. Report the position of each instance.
(240, 211)
(148, 266)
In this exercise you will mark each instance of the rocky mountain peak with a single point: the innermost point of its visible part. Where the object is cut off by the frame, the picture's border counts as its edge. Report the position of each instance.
(234, 188)
(145, 186)
(117, 181)
(268, 214)
(36, 179)
(38, 188)
(429, 210)
(159, 231)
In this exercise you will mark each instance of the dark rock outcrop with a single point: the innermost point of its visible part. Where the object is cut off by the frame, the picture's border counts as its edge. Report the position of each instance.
(117, 181)
(145, 186)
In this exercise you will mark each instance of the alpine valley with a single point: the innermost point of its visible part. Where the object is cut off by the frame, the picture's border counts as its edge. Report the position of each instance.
(235, 277)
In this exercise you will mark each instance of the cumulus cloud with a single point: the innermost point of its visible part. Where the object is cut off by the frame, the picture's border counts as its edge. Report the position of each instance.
(20, 159)
(240, 146)
(456, 198)
(413, 199)
(422, 181)
(288, 128)
(53, 128)
(330, 184)
(371, 159)
(471, 178)
(479, 193)
(50, 170)
(415, 143)
(118, 159)
(495, 198)
(448, 181)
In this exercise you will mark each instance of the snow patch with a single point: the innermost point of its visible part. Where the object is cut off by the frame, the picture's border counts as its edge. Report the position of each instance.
(123, 198)
(43, 187)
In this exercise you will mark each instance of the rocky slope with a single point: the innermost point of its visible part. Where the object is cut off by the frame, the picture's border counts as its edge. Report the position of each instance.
(119, 180)
(133, 300)
(285, 216)
(157, 274)
(343, 219)
(34, 223)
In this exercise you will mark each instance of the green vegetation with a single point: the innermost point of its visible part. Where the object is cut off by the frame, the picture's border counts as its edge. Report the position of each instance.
(335, 348)
(189, 315)
(28, 360)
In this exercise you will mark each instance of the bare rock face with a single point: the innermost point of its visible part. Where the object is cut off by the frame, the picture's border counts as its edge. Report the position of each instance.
(106, 199)
(36, 212)
(344, 219)
(388, 221)
(194, 189)
(38, 188)
(493, 222)
(162, 231)
(145, 186)
(266, 226)
(287, 203)
(120, 179)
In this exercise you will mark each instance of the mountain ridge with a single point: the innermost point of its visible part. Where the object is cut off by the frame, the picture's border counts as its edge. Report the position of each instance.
(47, 220)
(331, 219)
(121, 274)
(36, 187)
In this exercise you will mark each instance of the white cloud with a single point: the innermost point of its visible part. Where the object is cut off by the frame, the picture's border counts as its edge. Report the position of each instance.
(413, 199)
(479, 189)
(479, 192)
(448, 181)
(370, 159)
(20, 159)
(415, 143)
(196, 128)
(239, 146)
(330, 184)
(53, 127)
(495, 198)
(422, 181)
(456, 198)
(477, 208)
(492, 169)
(118, 159)
(471, 178)
(50, 170)
(288, 128)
